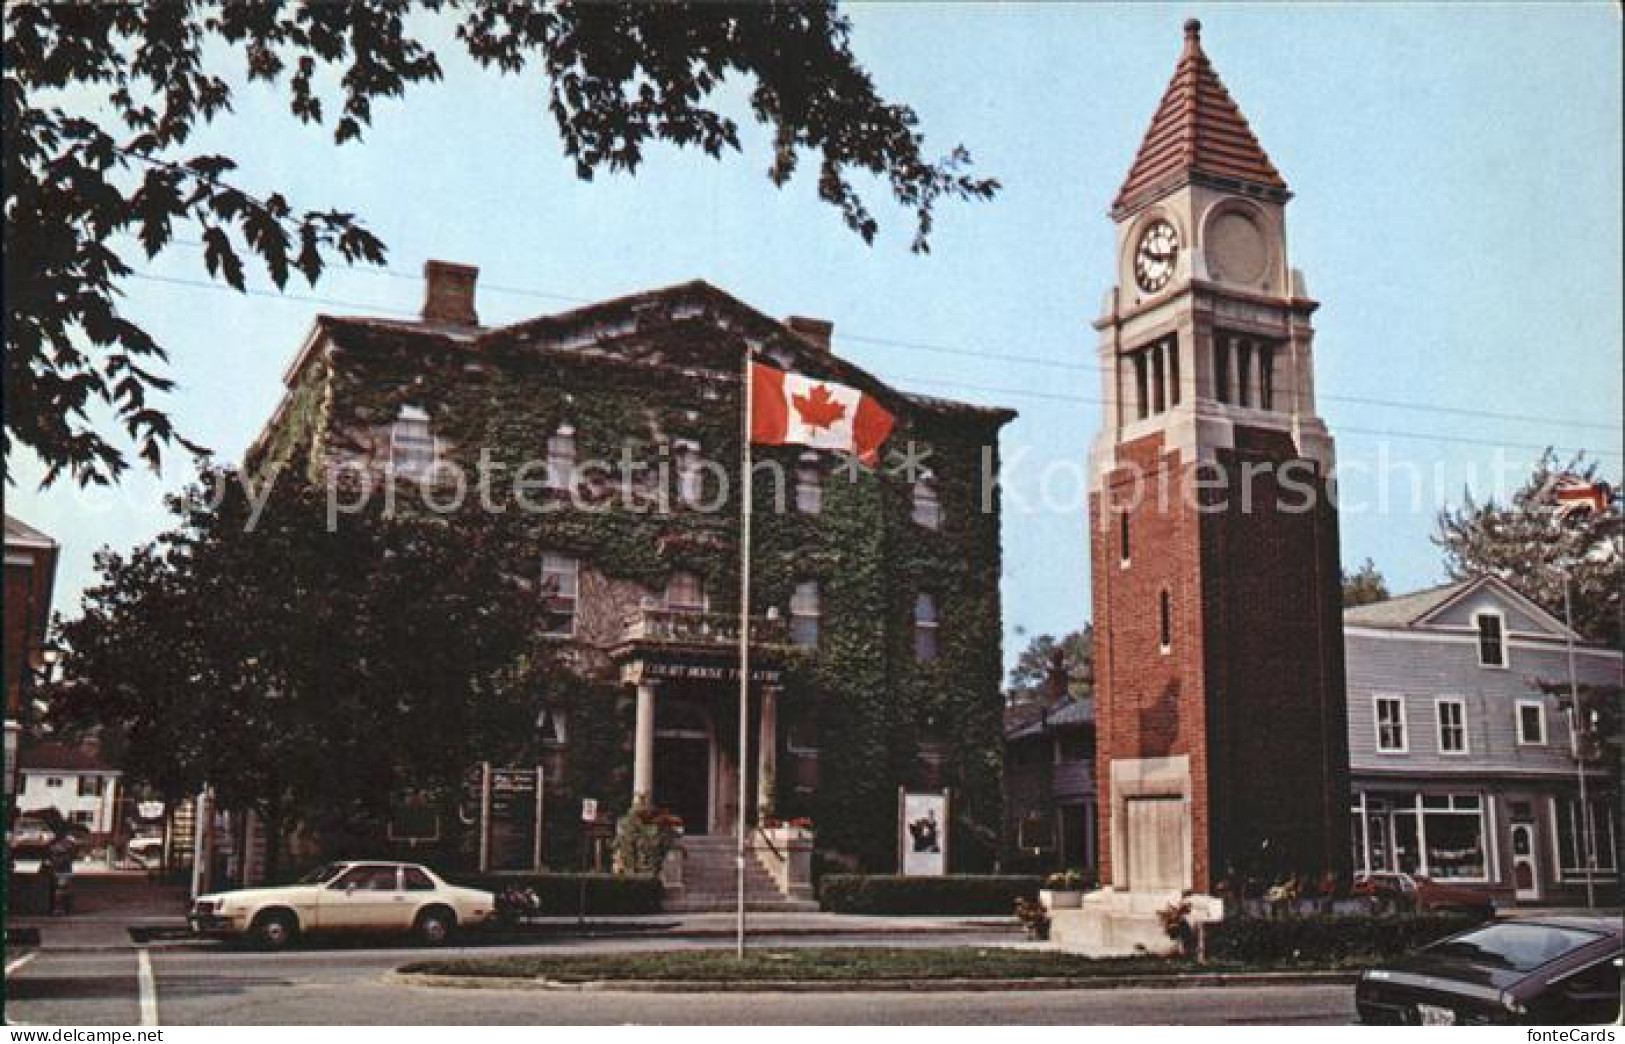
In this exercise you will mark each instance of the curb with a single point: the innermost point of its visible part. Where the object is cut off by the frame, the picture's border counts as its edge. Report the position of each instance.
(1097, 982)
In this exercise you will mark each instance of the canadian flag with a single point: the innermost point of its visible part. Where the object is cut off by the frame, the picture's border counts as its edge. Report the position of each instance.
(792, 408)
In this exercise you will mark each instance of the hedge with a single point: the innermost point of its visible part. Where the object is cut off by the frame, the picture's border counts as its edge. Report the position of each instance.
(893, 894)
(561, 893)
(1330, 939)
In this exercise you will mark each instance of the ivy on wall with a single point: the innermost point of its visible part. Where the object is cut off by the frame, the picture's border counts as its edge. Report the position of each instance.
(874, 705)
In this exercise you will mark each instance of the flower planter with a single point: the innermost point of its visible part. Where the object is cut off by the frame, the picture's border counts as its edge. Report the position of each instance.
(1057, 899)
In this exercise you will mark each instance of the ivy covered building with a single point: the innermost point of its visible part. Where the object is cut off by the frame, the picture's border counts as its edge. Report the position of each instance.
(609, 438)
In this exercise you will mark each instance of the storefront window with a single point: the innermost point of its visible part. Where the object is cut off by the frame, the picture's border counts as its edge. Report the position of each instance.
(1572, 826)
(1456, 845)
(1435, 835)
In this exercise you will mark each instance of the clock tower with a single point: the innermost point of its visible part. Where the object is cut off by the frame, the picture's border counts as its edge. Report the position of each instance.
(1222, 750)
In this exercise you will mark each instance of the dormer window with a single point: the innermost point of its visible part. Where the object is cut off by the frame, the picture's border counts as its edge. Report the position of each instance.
(413, 449)
(927, 507)
(561, 458)
(1492, 651)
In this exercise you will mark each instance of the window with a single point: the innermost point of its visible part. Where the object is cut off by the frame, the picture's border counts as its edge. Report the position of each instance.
(84, 817)
(1531, 723)
(1575, 828)
(1491, 639)
(1454, 827)
(416, 880)
(413, 450)
(1390, 711)
(1266, 376)
(560, 574)
(367, 879)
(561, 459)
(91, 786)
(925, 628)
(685, 592)
(1244, 371)
(1156, 377)
(809, 485)
(1142, 388)
(551, 725)
(53, 781)
(805, 614)
(1123, 552)
(927, 501)
(1221, 368)
(1452, 726)
(1244, 368)
(690, 479)
(1165, 621)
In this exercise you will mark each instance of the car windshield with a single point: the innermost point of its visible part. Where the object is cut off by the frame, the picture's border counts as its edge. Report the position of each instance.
(322, 874)
(1516, 946)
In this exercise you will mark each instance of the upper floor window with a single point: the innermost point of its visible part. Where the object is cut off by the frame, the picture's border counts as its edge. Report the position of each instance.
(413, 450)
(561, 458)
(1244, 371)
(1124, 552)
(1156, 377)
(560, 579)
(925, 627)
(53, 781)
(92, 786)
(686, 592)
(1531, 722)
(1165, 620)
(809, 485)
(1452, 727)
(927, 501)
(1492, 651)
(805, 614)
(1390, 712)
(690, 478)
(551, 726)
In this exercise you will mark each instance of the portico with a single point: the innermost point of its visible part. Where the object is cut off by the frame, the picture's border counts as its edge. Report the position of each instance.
(686, 759)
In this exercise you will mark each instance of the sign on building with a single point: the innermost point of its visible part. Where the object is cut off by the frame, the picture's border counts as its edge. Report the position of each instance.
(922, 833)
(510, 818)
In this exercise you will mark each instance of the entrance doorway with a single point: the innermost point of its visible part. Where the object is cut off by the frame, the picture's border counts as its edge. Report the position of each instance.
(684, 760)
(1525, 862)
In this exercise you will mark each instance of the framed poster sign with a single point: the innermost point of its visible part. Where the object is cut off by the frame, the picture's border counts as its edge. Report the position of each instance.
(922, 833)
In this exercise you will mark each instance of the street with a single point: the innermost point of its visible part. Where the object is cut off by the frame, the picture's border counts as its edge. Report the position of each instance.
(206, 984)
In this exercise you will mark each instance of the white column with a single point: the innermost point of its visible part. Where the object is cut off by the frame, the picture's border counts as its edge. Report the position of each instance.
(643, 758)
(767, 752)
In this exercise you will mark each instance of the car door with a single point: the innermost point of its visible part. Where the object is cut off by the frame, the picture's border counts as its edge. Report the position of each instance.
(367, 897)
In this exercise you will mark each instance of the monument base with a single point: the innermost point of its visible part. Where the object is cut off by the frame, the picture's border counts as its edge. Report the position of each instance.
(1125, 924)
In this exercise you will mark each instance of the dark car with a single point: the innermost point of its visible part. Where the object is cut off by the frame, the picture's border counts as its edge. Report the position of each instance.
(1541, 972)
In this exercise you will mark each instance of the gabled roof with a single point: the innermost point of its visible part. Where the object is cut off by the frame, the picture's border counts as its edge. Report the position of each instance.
(1421, 608)
(61, 757)
(1074, 713)
(21, 534)
(1197, 133)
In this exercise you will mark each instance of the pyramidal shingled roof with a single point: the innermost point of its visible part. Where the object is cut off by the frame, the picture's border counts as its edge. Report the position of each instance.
(1197, 132)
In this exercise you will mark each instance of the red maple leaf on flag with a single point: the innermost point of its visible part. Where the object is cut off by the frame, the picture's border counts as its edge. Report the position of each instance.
(818, 408)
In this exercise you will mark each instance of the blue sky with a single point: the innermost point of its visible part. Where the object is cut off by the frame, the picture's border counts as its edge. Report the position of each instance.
(1457, 213)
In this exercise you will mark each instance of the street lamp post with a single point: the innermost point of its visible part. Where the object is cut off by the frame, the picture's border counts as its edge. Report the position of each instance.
(1586, 827)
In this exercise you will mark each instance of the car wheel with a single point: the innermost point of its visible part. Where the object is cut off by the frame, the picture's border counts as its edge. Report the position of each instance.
(434, 926)
(275, 930)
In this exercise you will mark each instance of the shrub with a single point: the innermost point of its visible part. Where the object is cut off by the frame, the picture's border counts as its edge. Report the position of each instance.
(560, 894)
(1066, 881)
(892, 894)
(1327, 940)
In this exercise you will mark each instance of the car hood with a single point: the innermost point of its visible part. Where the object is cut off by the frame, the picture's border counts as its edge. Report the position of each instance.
(287, 893)
(1447, 972)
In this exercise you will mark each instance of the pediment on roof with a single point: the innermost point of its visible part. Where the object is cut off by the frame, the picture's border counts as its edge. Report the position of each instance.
(1492, 594)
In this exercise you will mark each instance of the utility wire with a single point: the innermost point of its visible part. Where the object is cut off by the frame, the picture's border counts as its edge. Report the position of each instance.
(930, 381)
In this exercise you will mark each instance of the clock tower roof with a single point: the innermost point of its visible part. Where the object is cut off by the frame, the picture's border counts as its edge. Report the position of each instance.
(1197, 134)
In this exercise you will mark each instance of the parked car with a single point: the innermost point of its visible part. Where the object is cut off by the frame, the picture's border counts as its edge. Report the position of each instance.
(1552, 971)
(345, 897)
(1424, 894)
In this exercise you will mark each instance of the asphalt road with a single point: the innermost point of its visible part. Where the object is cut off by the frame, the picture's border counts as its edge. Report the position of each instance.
(210, 985)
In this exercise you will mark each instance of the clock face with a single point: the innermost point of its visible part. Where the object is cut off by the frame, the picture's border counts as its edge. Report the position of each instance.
(1155, 256)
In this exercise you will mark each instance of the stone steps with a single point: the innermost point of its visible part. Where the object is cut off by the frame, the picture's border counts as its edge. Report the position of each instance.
(710, 879)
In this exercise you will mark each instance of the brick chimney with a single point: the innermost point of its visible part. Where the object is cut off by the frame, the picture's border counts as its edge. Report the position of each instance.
(815, 331)
(448, 293)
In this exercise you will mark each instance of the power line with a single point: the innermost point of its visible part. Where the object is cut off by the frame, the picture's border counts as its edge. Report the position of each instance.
(932, 381)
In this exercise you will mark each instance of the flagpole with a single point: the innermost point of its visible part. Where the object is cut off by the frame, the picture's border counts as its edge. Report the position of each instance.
(746, 493)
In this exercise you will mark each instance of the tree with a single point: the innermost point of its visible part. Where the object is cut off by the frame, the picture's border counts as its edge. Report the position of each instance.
(1035, 668)
(309, 674)
(100, 100)
(1525, 543)
(1364, 586)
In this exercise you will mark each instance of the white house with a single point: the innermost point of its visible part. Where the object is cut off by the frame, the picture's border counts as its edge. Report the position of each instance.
(72, 779)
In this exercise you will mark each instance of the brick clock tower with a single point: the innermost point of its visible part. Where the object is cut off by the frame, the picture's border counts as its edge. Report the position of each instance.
(1217, 595)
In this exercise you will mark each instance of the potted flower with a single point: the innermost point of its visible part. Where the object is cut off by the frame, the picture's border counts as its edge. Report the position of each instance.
(1062, 890)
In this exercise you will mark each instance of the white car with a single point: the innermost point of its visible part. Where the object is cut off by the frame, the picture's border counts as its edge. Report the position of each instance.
(339, 897)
